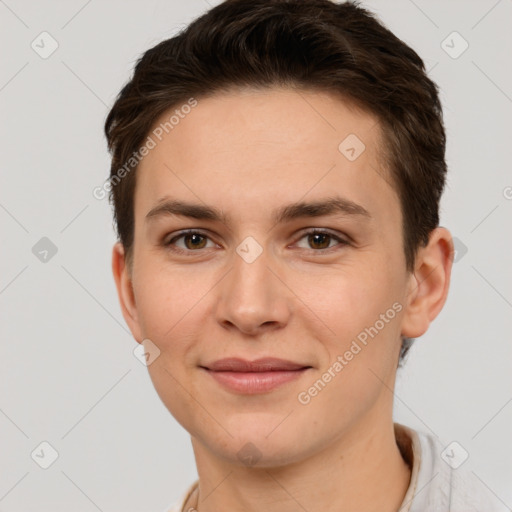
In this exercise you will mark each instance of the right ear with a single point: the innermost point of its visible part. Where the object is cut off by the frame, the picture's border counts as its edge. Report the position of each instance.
(122, 277)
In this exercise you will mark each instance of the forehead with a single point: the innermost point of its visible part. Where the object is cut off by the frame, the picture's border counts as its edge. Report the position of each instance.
(249, 147)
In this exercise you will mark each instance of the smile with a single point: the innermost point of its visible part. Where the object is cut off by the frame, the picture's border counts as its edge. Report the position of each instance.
(252, 377)
(255, 382)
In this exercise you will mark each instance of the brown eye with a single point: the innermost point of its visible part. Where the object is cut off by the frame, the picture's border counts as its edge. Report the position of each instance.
(195, 241)
(192, 242)
(320, 241)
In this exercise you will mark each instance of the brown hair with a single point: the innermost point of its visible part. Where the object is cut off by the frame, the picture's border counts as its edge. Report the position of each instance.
(311, 44)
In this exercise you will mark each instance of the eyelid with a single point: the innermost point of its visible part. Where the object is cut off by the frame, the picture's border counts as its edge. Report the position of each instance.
(341, 239)
(181, 234)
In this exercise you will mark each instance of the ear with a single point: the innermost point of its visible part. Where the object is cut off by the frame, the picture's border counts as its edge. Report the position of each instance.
(429, 284)
(123, 279)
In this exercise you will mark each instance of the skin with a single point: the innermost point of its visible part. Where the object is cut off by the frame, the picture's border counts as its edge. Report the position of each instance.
(248, 152)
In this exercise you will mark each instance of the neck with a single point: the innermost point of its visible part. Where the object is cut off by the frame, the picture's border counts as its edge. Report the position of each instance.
(361, 470)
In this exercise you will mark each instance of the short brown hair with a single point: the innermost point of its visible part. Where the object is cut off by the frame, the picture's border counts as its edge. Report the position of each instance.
(312, 44)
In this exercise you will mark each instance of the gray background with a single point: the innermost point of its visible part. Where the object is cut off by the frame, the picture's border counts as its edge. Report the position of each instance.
(68, 374)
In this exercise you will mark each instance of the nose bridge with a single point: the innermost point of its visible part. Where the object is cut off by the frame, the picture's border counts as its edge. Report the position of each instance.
(251, 295)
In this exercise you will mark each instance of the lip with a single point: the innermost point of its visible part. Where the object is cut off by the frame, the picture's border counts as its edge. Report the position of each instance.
(253, 377)
(264, 364)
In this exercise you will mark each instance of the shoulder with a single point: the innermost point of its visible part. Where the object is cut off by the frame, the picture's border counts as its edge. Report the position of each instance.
(444, 481)
(177, 506)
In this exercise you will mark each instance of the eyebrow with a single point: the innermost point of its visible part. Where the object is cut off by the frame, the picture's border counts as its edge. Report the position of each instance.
(329, 206)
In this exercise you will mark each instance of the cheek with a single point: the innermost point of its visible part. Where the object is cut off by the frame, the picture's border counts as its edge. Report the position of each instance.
(167, 305)
(363, 352)
(352, 299)
(363, 310)
(166, 299)
(175, 392)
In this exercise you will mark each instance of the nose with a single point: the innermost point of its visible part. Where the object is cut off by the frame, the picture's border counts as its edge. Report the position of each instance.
(252, 297)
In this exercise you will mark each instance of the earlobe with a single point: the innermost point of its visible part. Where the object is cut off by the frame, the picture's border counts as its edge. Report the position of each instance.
(125, 292)
(429, 283)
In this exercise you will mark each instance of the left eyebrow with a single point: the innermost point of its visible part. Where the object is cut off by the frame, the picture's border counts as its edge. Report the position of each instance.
(283, 214)
(319, 208)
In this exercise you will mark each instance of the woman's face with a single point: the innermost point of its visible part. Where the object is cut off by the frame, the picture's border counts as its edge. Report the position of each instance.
(257, 283)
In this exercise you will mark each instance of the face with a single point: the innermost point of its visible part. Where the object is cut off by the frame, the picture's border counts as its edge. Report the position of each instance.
(266, 170)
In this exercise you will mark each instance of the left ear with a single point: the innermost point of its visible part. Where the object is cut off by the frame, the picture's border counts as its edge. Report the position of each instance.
(429, 283)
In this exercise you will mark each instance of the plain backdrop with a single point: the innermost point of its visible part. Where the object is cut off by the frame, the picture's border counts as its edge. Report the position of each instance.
(68, 373)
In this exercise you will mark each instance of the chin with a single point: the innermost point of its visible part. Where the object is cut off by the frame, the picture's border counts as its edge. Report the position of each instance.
(257, 446)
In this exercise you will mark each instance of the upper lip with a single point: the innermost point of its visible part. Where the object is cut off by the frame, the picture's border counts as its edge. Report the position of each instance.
(264, 364)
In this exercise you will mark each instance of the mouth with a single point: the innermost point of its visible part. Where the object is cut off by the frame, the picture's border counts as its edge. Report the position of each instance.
(254, 377)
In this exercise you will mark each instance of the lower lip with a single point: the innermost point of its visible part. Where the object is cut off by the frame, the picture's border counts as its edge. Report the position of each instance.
(252, 383)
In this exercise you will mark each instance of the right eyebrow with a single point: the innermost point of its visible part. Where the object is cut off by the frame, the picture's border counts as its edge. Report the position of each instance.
(183, 209)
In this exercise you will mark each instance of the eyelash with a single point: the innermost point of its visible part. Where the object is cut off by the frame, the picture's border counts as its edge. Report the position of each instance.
(341, 242)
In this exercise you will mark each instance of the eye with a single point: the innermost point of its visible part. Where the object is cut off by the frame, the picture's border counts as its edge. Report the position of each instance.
(192, 240)
(319, 240)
